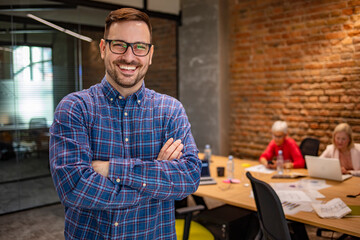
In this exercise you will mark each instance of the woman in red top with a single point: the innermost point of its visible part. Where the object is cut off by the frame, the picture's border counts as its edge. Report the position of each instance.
(281, 141)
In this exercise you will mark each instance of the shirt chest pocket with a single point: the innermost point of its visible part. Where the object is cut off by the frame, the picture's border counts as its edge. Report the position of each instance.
(106, 141)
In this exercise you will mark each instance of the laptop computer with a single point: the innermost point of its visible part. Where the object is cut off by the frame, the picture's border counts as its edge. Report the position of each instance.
(206, 178)
(328, 168)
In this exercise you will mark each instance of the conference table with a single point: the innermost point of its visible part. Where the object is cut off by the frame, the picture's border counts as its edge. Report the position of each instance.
(240, 194)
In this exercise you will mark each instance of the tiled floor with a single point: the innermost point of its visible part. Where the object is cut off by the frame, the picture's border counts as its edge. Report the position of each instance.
(45, 223)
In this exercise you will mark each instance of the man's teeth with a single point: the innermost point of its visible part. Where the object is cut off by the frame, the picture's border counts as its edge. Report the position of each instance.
(126, 67)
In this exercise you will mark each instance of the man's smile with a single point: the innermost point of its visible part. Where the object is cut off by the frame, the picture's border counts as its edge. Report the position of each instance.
(127, 67)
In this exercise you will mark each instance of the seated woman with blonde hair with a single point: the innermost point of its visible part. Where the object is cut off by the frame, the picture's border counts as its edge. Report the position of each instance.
(344, 149)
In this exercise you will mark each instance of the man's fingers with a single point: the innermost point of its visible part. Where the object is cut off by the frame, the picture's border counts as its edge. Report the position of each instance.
(168, 143)
(179, 155)
(171, 150)
(164, 148)
(177, 152)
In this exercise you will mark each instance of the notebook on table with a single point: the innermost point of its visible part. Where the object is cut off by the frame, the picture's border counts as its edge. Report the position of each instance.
(206, 178)
(327, 168)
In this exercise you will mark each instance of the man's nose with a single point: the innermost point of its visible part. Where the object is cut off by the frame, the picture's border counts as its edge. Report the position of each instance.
(129, 53)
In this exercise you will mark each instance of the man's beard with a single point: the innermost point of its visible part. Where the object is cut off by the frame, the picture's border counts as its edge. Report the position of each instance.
(115, 76)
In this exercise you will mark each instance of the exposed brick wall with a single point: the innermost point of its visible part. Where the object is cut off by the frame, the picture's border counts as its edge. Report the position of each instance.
(293, 60)
(162, 74)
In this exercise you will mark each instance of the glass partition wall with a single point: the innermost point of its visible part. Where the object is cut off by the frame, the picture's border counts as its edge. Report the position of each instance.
(38, 66)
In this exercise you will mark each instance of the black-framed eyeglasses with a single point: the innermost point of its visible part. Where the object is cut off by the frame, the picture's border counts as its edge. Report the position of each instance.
(120, 47)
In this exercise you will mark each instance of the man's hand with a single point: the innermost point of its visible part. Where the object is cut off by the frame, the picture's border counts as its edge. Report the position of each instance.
(171, 150)
(101, 167)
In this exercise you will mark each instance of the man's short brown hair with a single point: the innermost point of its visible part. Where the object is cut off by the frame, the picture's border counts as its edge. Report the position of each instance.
(126, 14)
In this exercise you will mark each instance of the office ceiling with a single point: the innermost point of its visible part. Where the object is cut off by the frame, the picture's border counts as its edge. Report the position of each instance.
(87, 12)
(165, 6)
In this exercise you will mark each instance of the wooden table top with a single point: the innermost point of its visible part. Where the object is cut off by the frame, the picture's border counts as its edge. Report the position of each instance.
(239, 195)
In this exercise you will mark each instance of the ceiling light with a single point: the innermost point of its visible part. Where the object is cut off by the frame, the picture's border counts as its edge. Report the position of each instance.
(61, 29)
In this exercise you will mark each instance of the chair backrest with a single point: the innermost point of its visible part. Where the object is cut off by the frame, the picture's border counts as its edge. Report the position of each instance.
(270, 212)
(309, 146)
(39, 122)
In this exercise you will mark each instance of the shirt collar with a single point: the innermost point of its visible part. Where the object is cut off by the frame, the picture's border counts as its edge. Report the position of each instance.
(111, 93)
(139, 95)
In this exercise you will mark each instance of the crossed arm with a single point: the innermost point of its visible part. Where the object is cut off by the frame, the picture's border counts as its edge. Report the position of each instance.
(171, 150)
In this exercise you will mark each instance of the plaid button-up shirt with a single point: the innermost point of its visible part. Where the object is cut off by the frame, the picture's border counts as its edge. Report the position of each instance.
(136, 200)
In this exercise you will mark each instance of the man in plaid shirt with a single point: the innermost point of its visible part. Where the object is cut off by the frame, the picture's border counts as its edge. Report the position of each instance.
(120, 153)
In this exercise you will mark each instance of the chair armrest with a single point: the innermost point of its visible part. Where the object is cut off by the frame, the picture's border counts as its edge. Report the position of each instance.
(188, 211)
(191, 209)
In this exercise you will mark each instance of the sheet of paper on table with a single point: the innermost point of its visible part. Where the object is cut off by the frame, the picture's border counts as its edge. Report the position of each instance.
(293, 196)
(334, 208)
(308, 189)
(259, 168)
(299, 194)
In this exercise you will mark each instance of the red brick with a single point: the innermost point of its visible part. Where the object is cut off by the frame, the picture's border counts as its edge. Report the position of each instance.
(348, 26)
(337, 20)
(334, 99)
(336, 35)
(357, 9)
(323, 99)
(347, 11)
(355, 32)
(354, 3)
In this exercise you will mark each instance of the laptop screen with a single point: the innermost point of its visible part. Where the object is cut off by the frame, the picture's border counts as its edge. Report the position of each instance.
(205, 170)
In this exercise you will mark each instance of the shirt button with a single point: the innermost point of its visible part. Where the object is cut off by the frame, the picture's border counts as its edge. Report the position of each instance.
(139, 101)
(118, 180)
(116, 224)
(126, 139)
(111, 99)
(125, 114)
(144, 184)
(120, 97)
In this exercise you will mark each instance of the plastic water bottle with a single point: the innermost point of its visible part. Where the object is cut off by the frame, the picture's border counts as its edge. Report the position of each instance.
(230, 168)
(207, 153)
(280, 163)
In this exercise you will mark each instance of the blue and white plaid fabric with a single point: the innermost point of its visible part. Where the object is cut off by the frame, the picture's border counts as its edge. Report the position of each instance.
(136, 201)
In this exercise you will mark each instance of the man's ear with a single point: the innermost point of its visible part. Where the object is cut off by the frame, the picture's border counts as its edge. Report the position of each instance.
(102, 48)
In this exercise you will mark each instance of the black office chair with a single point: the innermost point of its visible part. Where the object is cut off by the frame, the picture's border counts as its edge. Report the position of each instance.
(38, 132)
(309, 146)
(197, 231)
(270, 212)
(273, 223)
